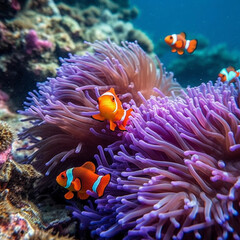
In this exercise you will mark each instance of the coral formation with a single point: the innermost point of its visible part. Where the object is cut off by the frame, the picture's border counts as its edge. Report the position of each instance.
(22, 221)
(61, 110)
(16, 222)
(19, 178)
(18, 216)
(44, 30)
(42, 235)
(6, 137)
(34, 43)
(175, 173)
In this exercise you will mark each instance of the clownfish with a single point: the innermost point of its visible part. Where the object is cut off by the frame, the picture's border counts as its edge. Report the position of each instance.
(229, 74)
(81, 179)
(179, 43)
(111, 109)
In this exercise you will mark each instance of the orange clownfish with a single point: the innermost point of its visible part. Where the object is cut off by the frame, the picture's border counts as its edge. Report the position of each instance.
(81, 179)
(110, 108)
(229, 74)
(178, 43)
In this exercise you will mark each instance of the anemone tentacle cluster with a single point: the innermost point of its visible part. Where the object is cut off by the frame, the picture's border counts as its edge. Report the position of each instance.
(175, 174)
(61, 109)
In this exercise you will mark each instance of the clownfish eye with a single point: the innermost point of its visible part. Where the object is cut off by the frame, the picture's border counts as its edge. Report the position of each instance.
(170, 37)
(62, 176)
(113, 99)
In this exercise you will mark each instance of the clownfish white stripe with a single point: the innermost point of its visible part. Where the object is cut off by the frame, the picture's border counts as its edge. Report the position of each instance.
(174, 39)
(187, 44)
(225, 72)
(111, 94)
(69, 174)
(123, 116)
(95, 185)
(231, 75)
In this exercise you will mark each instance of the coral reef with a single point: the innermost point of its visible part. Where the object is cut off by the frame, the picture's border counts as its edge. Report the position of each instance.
(34, 43)
(6, 137)
(42, 235)
(19, 178)
(175, 173)
(44, 30)
(18, 216)
(20, 223)
(61, 110)
(16, 222)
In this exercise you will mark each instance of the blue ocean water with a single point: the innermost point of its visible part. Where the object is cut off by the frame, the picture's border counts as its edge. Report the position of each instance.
(218, 21)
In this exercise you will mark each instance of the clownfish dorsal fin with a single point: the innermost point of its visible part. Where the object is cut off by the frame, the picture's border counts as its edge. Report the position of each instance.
(90, 166)
(112, 91)
(183, 34)
(230, 68)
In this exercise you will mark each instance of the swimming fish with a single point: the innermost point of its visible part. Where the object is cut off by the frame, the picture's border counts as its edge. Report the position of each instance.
(81, 179)
(111, 109)
(229, 74)
(179, 43)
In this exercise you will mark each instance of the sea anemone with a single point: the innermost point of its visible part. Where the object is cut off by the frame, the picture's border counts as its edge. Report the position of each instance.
(61, 109)
(176, 172)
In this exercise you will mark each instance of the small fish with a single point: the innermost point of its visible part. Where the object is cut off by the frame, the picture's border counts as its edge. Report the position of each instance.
(229, 74)
(81, 179)
(111, 109)
(179, 43)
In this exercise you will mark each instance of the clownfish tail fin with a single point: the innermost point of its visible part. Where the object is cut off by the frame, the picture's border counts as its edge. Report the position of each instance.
(104, 182)
(192, 46)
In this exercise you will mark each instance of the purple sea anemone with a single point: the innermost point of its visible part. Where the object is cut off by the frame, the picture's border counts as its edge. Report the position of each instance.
(176, 172)
(61, 109)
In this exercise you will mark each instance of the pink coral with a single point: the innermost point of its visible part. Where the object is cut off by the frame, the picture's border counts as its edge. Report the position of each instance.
(3, 98)
(34, 43)
(15, 5)
(5, 155)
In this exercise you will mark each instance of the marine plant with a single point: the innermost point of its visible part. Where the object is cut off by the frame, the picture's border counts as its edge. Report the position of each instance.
(175, 172)
(60, 111)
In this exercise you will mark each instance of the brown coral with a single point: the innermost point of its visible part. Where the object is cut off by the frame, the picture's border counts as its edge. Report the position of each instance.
(6, 136)
(42, 235)
(18, 177)
(16, 223)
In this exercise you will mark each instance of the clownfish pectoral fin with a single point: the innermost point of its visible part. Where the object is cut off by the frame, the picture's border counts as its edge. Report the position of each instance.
(183, 34)
(90, 166)
(76, 184)
(174, 50)
(69, 195)
(98, 117)
(112, 125)
(180, 52)
(83, 195)
(104, 182)
(192, 46)
(179, 44)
